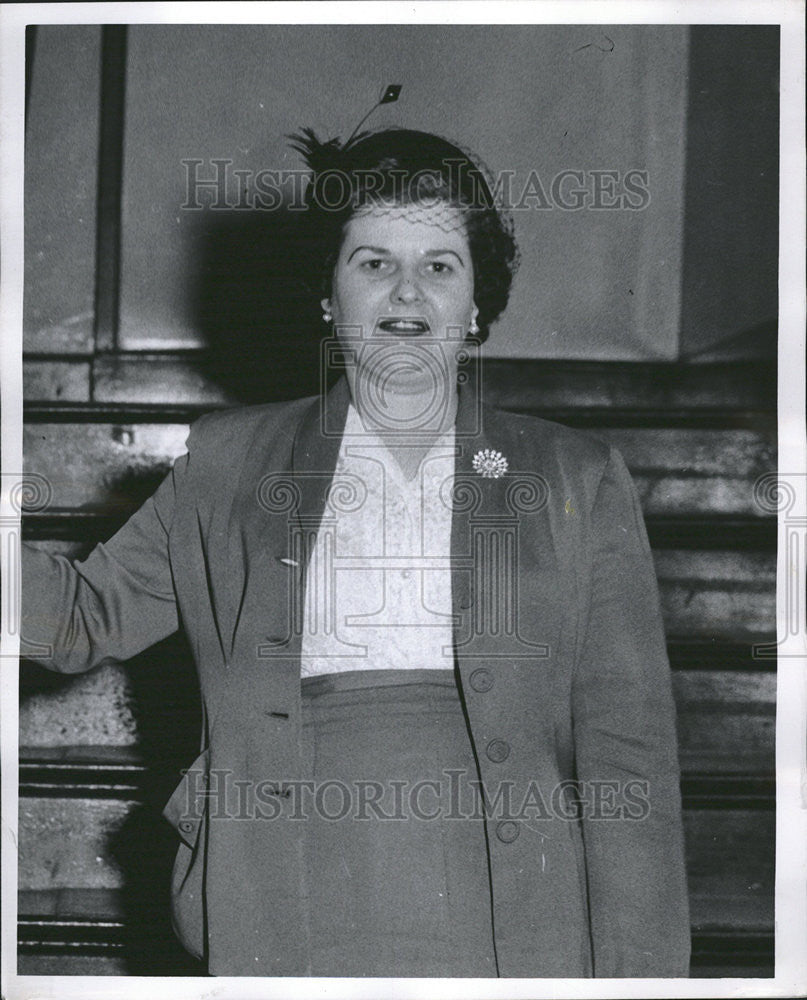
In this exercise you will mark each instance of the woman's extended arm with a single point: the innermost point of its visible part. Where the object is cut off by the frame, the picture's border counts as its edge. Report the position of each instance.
(115, 603)
(624, 731)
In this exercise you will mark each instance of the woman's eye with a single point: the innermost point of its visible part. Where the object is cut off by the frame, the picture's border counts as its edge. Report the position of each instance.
(441, 267)
(375, 264)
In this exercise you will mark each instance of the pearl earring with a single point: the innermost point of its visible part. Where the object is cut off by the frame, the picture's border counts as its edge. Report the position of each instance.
(326, 316)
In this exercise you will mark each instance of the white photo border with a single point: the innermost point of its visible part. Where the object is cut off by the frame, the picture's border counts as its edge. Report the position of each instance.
(791, 725)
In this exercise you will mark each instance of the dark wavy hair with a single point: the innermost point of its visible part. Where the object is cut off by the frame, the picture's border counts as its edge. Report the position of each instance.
(402, 166)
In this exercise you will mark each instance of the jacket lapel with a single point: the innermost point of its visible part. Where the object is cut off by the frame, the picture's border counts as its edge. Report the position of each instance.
(313, 461)
(475, 499)
(501, 541)
(275, 523)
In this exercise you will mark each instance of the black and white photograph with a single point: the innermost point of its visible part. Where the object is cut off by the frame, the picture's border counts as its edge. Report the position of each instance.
(402, 518)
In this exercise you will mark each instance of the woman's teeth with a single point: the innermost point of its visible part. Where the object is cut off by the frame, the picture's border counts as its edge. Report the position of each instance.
(404, 326)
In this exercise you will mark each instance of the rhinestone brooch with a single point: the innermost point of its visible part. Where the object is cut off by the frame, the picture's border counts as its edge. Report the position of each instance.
(490, 464)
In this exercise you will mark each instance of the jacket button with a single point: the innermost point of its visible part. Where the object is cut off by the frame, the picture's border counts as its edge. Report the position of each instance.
(507, 831)
(481, 680)
(497, 751)
(186, 826)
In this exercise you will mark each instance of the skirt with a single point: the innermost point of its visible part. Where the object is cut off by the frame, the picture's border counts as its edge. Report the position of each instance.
(397, 871)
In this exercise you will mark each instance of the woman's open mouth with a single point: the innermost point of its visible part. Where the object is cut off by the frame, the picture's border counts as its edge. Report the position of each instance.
(404, 327)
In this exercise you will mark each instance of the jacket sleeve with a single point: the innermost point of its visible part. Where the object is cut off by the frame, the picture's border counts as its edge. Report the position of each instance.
(626, 751)
(112, 605)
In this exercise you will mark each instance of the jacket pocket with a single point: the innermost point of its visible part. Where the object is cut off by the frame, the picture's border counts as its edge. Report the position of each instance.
(185, 811)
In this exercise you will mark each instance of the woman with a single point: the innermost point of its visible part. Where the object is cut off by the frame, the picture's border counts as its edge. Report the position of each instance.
(477, 774)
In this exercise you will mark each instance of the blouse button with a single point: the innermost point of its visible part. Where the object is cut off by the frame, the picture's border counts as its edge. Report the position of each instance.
(507, 831)
(186, 826)
(481, 680)
(497, 751)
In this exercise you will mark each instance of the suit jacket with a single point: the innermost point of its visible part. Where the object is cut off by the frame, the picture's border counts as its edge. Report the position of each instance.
(560, 661)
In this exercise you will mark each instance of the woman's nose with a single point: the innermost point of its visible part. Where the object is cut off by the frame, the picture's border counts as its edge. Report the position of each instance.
(407, 290)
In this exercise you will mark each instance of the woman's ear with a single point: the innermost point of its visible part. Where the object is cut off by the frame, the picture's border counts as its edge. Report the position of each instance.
(326, 305)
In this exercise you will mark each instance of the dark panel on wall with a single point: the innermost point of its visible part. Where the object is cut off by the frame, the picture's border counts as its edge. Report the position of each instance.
(61, 177)
(110, 165)
(596, 281)
(731, 227)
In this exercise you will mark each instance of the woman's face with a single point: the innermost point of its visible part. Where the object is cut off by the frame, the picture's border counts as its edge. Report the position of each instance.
(402, 295)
